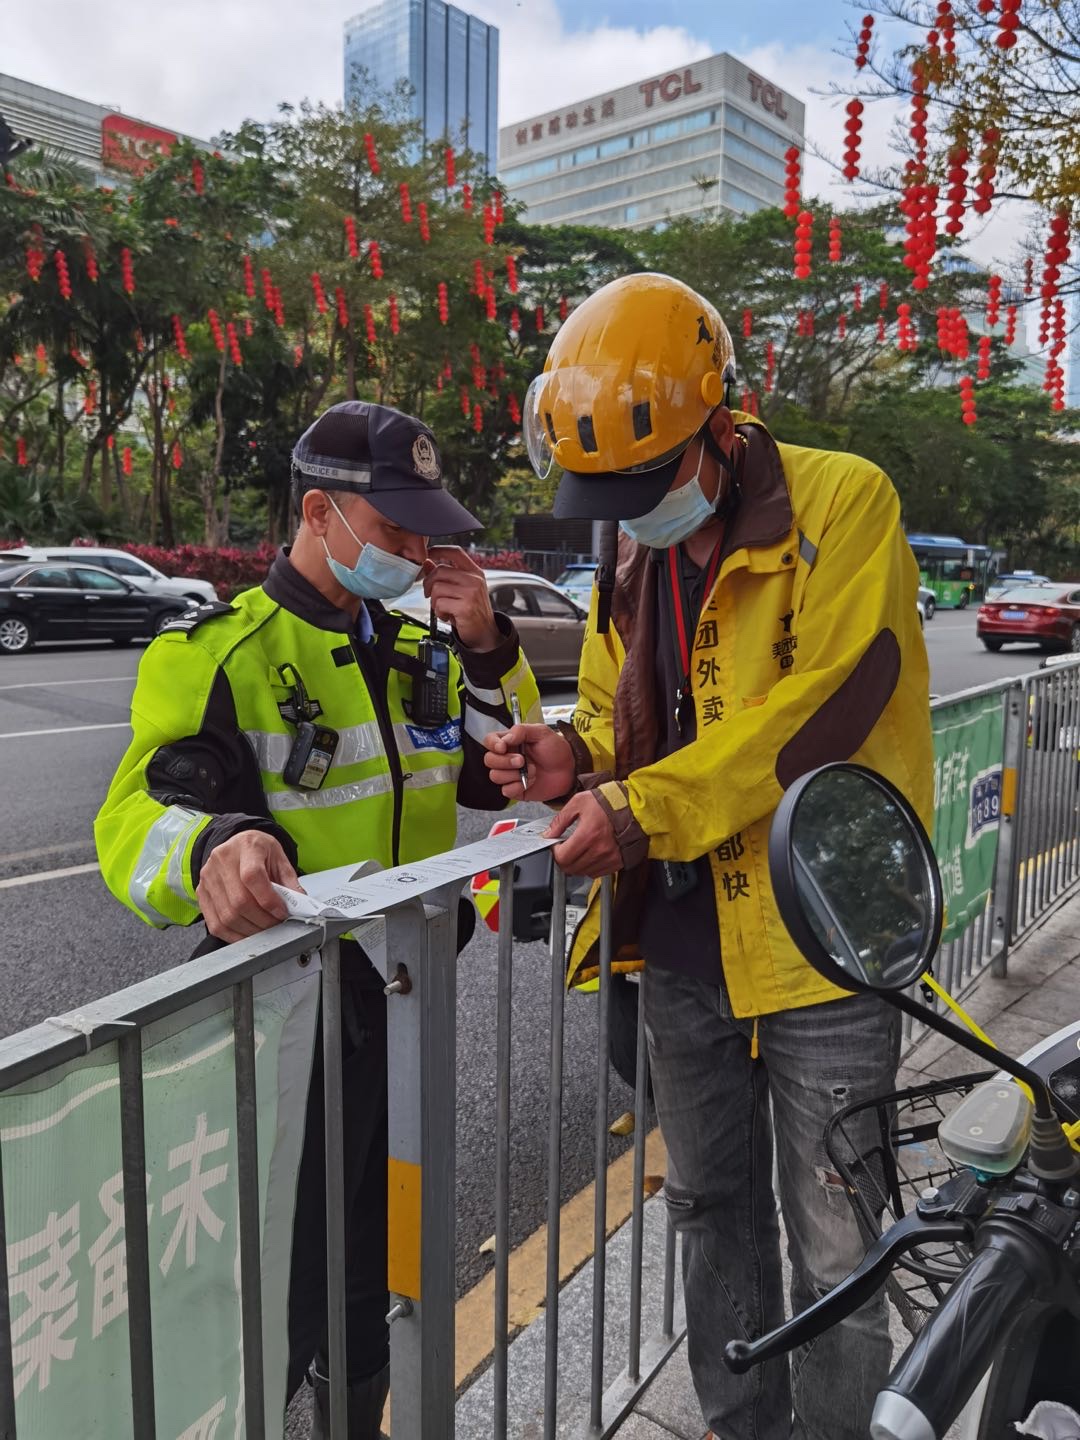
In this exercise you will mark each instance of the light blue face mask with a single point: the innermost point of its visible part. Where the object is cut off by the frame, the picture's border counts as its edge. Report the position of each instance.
(677, 516)
(377, 575)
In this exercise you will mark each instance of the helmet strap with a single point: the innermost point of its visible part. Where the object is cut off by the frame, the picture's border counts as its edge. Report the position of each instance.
(733, 490)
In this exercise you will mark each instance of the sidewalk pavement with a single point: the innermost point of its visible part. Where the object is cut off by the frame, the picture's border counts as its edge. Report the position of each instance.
(1040, 994)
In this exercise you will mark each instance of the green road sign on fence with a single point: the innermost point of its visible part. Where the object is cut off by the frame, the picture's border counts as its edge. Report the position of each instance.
(63, 1194)
(968, 751)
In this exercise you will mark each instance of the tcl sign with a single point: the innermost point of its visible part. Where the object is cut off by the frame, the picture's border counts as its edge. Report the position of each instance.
(766, 95)
(670, 87)
(131, 146)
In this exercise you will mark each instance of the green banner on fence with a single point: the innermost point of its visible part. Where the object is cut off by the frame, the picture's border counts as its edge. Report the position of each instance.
(968, 751)
(63, 1196)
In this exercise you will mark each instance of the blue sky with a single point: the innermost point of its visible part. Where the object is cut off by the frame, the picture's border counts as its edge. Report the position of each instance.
(797, 22)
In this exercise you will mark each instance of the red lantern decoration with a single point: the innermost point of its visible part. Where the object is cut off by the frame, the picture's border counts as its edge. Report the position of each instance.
(319, 293)
(249, 278)
(1010, 324)
(498, 206)
(747, 324)
(841, 326)
(1057, 254)
(180, 339)
(834, 239)
(198, 176)
(372, 158)
(1058, 330)
(267, 288)
(350, 237)
(489, 225)
(466, 199)
(770, 365)
(862, 49)
(41, 358)
(177, 455)
(539, 317)
(298, 358)
(249, 328)
(856, 298)
(515, 322)
(511, 275)
(451, 176)
(342, 308)
(477, 419)
(125, 460)
(957, 177)
(881, 330)
(1029, 276)
(127, 271)
(490, 303)
(20, 451)
(63, 279)
(369, 325)
(984, 189)
(465, 402)
(279, 309)
(967, 400)
(983, 372)
(1008, 24)
(993, 300)
(852, 128)
(514, 408)
(425, 228)
(792, 181)
(90, 259)
(444, 304)
(35, 254)
(947, 25)
(235, 353)
(395, 320)
(564, 308)
(905, 338)
(215, 329)
(406, 202)
(479, 281)
(90, 398)
(375, 256)
(803, 244)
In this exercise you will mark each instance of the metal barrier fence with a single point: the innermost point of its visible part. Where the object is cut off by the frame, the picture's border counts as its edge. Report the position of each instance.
(1038, 860)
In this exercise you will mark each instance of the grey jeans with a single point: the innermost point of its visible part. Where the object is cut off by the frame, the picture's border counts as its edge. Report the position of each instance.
(714, 1105)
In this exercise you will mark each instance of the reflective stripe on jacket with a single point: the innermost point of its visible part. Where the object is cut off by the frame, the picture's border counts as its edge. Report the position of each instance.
(808, 650)
(210, 742)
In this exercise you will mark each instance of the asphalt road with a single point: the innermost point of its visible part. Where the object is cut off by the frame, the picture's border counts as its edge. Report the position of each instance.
(63, 728)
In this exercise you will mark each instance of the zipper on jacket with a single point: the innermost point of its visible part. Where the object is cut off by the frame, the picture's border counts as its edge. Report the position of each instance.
(386, 730)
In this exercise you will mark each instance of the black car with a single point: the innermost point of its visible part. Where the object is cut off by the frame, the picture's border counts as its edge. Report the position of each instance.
(51, 601)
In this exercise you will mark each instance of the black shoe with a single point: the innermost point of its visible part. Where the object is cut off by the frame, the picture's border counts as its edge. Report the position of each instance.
(367, 1399)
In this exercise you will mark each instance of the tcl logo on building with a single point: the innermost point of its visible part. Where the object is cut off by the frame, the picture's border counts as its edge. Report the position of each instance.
(766, 95)
(131, 146)
(670, 87)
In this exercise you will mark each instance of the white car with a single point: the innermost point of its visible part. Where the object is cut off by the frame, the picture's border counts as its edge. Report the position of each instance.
(128, 567)
(576, 581)
(550, 627)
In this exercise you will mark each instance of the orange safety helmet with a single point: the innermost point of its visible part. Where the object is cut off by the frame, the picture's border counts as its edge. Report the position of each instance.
(630, 379)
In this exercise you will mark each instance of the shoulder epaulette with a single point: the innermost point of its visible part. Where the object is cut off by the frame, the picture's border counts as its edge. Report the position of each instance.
(198, 615)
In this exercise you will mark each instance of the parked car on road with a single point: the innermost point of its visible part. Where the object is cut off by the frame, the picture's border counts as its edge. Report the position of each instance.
(77, 602)
(576, 582)
(1011, 579)
(550, 626)
(927, 602)
(1044, 615)
(119, 562)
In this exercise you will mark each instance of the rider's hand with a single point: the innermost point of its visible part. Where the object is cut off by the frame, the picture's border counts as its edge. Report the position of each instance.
(548, 756)
(234, 890)
(593, 848)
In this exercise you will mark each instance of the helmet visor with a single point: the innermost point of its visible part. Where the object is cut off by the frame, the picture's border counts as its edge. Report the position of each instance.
(594, 419)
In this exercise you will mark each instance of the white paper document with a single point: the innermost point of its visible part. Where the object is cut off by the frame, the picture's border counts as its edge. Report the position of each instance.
(338, 895)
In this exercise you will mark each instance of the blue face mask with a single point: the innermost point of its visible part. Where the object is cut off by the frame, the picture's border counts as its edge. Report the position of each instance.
(377, 575)
(676, 518)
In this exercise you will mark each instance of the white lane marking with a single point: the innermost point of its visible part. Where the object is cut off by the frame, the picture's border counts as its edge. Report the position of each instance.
(47, 875)
(13, 856)
(64, 730)
(45, 684)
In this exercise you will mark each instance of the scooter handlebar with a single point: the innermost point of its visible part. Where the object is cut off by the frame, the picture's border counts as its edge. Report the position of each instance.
(942, 1366)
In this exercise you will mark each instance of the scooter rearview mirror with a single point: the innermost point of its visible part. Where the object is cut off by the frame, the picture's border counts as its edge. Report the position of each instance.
(855, 879)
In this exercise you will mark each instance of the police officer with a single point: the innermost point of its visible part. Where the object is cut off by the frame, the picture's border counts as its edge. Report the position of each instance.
(302, 726)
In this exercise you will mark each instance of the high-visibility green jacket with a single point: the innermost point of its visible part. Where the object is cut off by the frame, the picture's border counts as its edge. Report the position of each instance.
(807, 650)
(210, 742)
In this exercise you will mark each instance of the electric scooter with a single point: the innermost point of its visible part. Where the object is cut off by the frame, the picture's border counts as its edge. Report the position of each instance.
(858, 888)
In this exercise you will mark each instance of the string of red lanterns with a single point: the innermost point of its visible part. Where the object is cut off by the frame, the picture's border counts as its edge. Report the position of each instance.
(747, 323)
(406, 202)
(235, 353)
(63, 279)
(1010, 324)
(993, 300)
(90, 260)
(319, 293)
(770, 365)
(369, 325)
(198, 176)
(342, 308)
(249, 278)
(444, 304)
(395, 319)
(1008, 24)
(375, 256)
(372, 156)
(350, 237)
(215, 329)
(834, 239)
(792, 181)
(803, 244)
(127, 271)
(983, 370)
(957, 176)
(967, 400)
(862, 48)
(180, 339)
(425, 228)
(853, 127)
(466, 198)
(984, 189)
(489, 225)
(451, 176)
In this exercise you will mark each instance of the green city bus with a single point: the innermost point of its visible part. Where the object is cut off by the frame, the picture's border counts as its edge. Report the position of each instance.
(955, 571)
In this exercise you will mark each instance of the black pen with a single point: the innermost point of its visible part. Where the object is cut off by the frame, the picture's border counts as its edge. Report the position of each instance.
(515, 710)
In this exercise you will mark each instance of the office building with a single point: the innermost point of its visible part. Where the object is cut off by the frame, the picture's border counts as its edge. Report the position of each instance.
(107, 143)
(449, 58)
(708, 137)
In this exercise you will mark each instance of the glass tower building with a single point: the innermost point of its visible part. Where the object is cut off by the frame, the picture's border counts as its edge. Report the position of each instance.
(450, 59)
(707, 137)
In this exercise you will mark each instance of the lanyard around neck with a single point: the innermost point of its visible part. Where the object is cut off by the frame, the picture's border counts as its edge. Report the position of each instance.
(681, 618)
